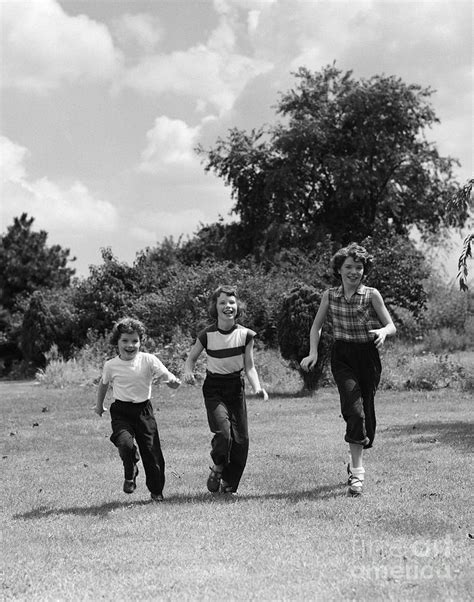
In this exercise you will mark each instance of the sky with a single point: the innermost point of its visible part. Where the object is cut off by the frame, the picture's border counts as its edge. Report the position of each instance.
(103, 102)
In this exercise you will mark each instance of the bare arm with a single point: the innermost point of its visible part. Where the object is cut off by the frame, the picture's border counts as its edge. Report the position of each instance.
(172, 381)
(251, 372)
(309, 361)
(101, 393)
(196, 350)
(388, 328)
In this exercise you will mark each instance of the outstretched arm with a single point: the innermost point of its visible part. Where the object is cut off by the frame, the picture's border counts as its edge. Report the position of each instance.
(308, 362)
(173, 381)
(101, 393)
(388, 328)
(251, 372)
(196, 350)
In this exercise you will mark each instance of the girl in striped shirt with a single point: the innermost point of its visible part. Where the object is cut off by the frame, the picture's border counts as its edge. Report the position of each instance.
(229, 348)
(360, 323)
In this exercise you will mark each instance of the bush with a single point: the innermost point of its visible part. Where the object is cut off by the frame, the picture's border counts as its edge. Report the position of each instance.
(407, 368)
(48, 320)
(446, 340)
(296, 316)
(277, 375)
(174, 354)
(447, 306)
(60, 373)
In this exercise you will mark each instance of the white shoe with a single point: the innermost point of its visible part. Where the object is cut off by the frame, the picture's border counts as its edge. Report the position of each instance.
(355, 482)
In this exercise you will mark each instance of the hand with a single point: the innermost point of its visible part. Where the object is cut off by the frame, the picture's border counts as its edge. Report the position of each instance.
(262, 394)
(309, 362)
(99, 410)
(173, 384)
(188, 378)
(379, 334)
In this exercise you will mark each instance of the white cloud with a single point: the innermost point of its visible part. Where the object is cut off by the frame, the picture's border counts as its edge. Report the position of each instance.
(225, 6)
(12, 157)
(138, 31)
(213, 73)
(252, 20)
(42, 46)
(212, 77)
(60, 209)
(170, 143)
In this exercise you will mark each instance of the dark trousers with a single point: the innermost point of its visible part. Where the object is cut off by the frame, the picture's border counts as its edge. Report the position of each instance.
(226, 408)
(136, 422)
(356, 369)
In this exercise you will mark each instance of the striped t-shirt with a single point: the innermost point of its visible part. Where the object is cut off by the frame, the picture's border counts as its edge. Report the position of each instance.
(225, 349)
(352, 320)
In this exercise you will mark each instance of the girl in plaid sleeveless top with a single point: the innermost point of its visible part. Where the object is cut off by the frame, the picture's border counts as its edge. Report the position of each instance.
(361, 323)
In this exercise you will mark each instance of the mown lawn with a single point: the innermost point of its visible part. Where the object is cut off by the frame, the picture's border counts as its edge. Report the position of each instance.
(69, 533)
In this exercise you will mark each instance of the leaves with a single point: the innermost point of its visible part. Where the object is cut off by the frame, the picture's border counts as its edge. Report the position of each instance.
(350, 157)
(28, 264)
(462, 262)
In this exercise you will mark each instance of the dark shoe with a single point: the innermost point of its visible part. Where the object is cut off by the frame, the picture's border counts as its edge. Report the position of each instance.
(214, 480)
(227, 492)
(129, 485)
(226, 488)
(157, 497)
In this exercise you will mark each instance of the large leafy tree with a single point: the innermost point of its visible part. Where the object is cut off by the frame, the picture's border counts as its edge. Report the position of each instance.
(106, 295)
(48, 320)
(28, 264)
(349, 158)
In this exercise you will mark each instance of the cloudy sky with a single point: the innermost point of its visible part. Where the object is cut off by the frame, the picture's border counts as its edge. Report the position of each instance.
(103, 101)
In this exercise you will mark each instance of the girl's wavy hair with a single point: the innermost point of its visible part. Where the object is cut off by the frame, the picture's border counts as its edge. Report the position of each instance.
(227, 290)
(357, 253)
(128, 326)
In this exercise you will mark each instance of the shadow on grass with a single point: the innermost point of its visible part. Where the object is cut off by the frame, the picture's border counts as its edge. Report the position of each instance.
(102, 510)
(299, 394)
(99, 510)
(458, 434)
(319, 493)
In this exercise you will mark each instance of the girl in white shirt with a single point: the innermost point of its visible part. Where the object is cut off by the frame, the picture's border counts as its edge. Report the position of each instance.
(130, 374)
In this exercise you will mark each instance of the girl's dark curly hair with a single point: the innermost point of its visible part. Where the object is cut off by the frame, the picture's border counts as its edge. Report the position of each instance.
(128, 326)
(227, 290)
(357, 253)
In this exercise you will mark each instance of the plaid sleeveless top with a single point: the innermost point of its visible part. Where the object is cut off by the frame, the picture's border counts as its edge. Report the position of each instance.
(352, 320)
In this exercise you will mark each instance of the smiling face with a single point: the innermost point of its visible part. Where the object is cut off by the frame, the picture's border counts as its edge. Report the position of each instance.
(226, 306)
(351, 272)
(128, 345)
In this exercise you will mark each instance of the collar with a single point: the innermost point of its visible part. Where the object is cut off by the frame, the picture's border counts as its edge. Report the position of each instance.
(340, 291)
(234, 326)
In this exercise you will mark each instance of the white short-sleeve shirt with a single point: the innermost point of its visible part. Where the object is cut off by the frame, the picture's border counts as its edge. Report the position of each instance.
(131, 380)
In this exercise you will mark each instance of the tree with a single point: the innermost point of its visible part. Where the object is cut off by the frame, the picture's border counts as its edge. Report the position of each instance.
(106, 295)
(27, 264)
(462, 201)
(399, 272)
(48, 320)
(217, 241)
(349, 159)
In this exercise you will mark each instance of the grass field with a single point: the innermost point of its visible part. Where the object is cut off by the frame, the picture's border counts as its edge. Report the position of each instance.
(69, 533)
